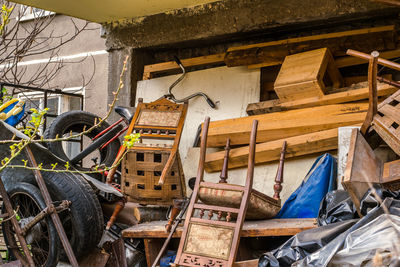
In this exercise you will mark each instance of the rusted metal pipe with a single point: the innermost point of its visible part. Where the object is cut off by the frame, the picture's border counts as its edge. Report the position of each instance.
(63, 206)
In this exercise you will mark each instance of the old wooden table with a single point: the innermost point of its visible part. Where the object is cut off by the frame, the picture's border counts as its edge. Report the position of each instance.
(154, 233)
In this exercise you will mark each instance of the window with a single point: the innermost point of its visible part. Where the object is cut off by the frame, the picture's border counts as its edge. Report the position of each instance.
(29, 13)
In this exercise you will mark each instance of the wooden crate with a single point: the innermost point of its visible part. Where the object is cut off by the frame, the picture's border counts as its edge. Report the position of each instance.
(307, 75)
(142, 169)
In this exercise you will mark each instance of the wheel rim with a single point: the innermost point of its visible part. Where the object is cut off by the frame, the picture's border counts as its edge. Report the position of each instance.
(37, 236)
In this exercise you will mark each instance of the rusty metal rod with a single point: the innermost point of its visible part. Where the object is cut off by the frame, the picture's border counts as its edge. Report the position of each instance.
(390, 82)
(49, 204)
(63, 206)
(14, 221)
(381, 61)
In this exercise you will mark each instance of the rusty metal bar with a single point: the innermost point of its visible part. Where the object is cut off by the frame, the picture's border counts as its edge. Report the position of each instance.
(63, 206)
(17, 227)
(381, 61)
(49, 204)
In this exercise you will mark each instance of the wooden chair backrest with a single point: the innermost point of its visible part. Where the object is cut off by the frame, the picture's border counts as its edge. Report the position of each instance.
(212, 241)
(160, 120)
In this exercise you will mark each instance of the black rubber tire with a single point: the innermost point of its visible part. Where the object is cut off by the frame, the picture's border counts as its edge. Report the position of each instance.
(19, 193)
(75, 121)
(83, 222)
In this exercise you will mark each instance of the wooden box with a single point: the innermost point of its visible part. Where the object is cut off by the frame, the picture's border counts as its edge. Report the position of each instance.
(306, 75)
(142, 169)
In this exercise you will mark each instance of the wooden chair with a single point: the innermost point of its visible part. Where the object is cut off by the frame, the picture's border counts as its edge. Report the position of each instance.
(152, 170)
(211, 235)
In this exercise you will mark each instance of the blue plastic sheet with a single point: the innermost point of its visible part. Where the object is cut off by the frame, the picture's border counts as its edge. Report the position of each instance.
(305, 201)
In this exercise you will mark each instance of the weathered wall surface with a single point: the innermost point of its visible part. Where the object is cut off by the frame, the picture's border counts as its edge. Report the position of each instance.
(231, 88)
(224, 20)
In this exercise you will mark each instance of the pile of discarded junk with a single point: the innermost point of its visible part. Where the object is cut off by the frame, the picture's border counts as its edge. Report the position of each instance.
(140, 212)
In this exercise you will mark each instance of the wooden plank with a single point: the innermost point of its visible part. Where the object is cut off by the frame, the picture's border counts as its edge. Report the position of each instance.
(273, 53)
(150, 70)
(152, 247)
(248, 263)
(272, 227)
(270, 151)
(275, 126)
(336, 98)
(340, 62)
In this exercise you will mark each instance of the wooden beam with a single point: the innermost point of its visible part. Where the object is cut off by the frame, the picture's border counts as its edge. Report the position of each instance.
(273, 53)
(270, 151)
(352, 61)
(150, 70)
(274, 126)
(271, 227)
(336, 98)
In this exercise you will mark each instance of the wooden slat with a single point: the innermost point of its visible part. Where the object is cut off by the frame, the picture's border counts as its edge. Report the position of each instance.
(336, 98)
(272, 227)
(270, 151)
(150, 70)
(222, 186)
(211, 222)
(215, 208)
(273, 53)
(286, 124)
(248, 263)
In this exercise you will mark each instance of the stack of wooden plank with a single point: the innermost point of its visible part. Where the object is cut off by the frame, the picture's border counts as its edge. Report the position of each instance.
(313, 95)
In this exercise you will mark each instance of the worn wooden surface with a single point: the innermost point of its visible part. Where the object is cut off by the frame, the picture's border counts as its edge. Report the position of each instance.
(273, 53)
(270, 151)
(258, 228)
(150, 70)
(302, 75)
(386, 122)
(335, 98)
(286, 123)
(363, 167)
(152, 247)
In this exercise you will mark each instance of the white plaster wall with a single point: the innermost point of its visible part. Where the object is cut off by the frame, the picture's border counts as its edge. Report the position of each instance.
(231, 88)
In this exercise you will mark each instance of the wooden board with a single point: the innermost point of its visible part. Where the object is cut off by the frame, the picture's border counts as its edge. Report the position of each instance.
(150, 70)
(362, 166)
(272, 227)
(275, 126)
(270, 151)
(273, 53)
(336, 98)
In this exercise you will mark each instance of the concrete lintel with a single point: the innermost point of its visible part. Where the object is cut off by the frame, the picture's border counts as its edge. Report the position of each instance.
(226, 20)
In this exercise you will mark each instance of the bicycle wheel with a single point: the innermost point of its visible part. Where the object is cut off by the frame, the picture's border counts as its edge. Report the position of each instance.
(74, 122)
(42, 238)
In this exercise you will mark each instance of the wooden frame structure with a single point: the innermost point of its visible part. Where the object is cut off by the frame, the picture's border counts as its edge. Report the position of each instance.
(214, 241)
(152, 172)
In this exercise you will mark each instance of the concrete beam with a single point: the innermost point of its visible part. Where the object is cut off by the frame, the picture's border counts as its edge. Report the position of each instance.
(229, 20)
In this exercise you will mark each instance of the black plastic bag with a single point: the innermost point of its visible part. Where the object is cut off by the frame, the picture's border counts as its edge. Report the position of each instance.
(316, 247)
(336, 207)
